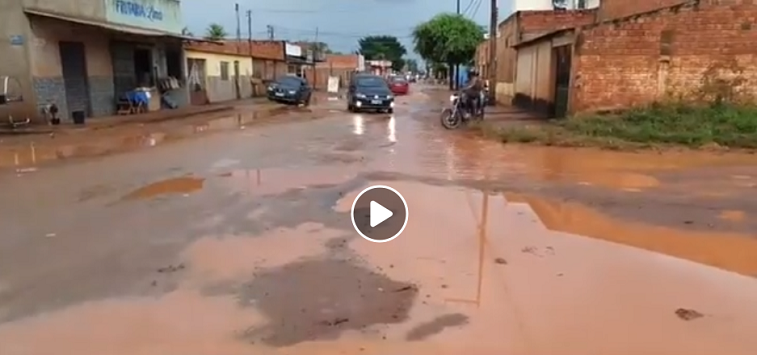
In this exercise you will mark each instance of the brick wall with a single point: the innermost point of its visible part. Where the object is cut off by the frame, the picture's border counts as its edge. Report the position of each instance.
(610, 9)
(692, 52)
(525, 25)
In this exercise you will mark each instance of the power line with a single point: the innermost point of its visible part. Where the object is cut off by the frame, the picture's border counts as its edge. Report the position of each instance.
(467, 8)
(475, 11)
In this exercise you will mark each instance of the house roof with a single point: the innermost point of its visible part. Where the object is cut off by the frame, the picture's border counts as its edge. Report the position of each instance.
(269, 50)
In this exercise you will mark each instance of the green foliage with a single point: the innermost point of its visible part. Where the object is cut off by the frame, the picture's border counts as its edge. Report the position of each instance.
(215, 32)
(726, 125)
(412, 65)
(448, 38)
(732, 126)
(383, 48)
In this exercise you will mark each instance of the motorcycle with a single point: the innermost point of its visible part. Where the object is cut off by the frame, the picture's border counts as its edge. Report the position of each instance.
(460, 112)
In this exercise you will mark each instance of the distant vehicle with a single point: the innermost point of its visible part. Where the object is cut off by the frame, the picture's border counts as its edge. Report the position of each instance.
(399, 85)
(369, 92)
(290, 90)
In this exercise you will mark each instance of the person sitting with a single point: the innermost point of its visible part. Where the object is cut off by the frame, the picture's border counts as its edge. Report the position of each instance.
(472, 91)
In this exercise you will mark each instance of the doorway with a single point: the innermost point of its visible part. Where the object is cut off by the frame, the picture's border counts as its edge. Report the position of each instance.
(562, 55)
(237, 87)
(74, 67)
(143, 67)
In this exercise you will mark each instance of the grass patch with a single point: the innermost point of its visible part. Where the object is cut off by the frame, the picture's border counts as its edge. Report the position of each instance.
(656, 125)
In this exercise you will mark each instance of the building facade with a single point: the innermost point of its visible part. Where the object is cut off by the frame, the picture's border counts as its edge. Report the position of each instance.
(218, 72)
(696, 50)
(82, 55)
(542, 5)
(518, 27)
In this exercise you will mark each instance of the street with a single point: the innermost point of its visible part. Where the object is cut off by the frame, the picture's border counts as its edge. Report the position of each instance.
(239, 241)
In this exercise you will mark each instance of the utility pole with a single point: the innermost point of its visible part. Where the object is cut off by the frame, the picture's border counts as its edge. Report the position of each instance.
(270, 32)
(239, 29)
(494, 18)
(249, 41)
(316, 48)
(456, 69)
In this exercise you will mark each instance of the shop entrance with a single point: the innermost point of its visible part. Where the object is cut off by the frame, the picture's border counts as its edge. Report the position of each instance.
(74, 67)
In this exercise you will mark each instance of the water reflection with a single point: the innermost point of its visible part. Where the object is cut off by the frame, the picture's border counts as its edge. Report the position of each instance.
(392, 130)
(358, 125)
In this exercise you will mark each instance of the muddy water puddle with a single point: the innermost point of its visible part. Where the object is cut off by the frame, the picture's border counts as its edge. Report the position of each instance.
(22, 152)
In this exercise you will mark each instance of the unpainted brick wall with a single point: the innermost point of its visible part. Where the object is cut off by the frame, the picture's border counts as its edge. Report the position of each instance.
(693, 53)
(525, 25)
(611, 9)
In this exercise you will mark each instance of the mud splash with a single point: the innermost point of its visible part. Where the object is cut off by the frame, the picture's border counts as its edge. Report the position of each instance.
(733, 252)
(173, 186)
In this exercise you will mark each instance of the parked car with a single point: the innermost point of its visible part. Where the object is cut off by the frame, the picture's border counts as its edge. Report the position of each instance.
(399, 85)
(369, 92)
(290, 90)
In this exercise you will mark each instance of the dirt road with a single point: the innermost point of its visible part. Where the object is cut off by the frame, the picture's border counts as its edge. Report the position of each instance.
(241, 242)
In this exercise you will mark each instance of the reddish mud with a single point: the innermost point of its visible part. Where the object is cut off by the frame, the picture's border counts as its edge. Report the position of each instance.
(501, 255)
(179, 185)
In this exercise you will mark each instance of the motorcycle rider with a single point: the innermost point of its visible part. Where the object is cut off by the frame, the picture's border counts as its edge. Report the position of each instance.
(472, 91)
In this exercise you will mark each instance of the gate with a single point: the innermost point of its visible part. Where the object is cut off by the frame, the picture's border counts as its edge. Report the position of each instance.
(74, 66)
(562, 55)
(196, 80)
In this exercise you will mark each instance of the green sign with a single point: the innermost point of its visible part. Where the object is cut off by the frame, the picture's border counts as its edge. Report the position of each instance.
(162, 15)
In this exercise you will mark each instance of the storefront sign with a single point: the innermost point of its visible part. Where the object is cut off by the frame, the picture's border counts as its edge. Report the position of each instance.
(293, 50)
(162, 15)
(136, 9)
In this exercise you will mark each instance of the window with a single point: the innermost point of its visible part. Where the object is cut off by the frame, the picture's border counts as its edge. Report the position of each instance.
(225, 71)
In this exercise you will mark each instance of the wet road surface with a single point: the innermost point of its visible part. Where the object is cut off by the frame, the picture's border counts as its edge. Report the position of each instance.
(240, 242)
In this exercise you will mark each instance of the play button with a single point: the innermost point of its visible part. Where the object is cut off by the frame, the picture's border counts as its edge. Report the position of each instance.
(379, 213)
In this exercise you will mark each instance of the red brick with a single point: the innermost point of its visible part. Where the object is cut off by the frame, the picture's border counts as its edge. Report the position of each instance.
(619, 64)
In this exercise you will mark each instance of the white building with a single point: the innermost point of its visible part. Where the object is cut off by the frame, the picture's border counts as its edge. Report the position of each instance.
(531, 5)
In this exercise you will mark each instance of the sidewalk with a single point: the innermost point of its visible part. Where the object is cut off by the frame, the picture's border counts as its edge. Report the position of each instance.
(119, 120)
(119, 134)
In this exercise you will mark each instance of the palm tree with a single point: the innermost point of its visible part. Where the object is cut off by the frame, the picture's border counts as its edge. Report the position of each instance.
(215, 32)
(186, 32)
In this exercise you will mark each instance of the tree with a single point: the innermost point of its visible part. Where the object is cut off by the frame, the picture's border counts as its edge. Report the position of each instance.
(186, 32)
(412, 65)
(215, 32)
(383, 48)
(448, 38)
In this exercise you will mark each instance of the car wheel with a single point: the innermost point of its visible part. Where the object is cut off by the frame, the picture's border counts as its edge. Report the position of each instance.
(350, 108)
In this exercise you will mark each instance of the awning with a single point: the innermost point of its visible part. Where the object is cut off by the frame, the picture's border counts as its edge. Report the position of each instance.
(111, 26)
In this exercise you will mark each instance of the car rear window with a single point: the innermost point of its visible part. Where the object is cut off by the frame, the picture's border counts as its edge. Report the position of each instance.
(398, 79)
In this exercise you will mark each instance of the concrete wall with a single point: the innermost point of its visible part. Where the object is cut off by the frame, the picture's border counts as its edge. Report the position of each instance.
(15, 62)
(530, 5)
(90, 9)
(219, 90)
(662, 55)
(46, 70)
(163, 15)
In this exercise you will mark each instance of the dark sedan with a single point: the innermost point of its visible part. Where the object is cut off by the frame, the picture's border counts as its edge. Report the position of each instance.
(290, 90)
(369, 92)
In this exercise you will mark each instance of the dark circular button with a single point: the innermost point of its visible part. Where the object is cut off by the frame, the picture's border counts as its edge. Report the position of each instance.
(379, 213)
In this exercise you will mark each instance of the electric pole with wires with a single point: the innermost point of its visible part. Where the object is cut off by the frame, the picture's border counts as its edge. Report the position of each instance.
(492, 67)
(271, 35)
(456, 69)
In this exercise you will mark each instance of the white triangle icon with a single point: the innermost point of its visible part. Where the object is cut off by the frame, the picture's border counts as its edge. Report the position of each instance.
(379, 214)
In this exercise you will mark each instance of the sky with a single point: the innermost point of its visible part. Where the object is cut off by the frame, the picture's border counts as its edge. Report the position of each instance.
(340, 23)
